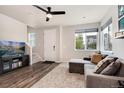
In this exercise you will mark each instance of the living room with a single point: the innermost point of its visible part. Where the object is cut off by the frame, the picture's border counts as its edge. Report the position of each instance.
(51, 44)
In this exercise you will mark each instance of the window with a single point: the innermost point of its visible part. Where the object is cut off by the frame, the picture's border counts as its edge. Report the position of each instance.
(31, 37)
(79, 41)
(86, 40)
(92, 41)
(107, 38)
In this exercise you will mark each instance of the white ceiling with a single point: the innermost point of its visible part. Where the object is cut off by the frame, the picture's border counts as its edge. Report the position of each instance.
(74, 14)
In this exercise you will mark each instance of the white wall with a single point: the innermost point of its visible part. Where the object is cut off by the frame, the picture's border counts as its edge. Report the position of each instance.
(67, 43)
(11, 29)
(39, 40)
(37, 51)
(118, 44)
(39, 48)
(57, 39)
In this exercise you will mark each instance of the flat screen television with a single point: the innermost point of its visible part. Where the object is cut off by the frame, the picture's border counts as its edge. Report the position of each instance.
(11, 48)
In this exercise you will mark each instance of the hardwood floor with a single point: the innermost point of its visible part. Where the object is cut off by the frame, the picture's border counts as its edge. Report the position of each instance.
(27, 76)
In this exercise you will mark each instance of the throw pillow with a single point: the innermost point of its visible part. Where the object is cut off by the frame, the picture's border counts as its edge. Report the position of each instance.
(95, 58)
(112, 68)
(104, 56)
(120, 72)
(103, 64)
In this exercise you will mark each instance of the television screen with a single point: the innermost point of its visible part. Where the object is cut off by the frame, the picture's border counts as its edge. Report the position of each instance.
(10, 48)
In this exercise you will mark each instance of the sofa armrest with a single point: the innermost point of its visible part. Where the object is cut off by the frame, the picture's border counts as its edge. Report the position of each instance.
(102, 81)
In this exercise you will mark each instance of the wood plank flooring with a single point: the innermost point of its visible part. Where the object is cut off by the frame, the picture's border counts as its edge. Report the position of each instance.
(27, 76)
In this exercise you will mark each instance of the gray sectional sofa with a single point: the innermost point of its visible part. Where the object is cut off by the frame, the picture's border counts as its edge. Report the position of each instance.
(93, 80)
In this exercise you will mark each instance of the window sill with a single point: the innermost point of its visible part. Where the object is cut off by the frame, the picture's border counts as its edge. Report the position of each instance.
(107, 52)
(78, 50)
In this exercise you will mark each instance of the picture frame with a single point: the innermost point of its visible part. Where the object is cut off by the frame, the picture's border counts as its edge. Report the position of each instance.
(120, 10)
(121, 25)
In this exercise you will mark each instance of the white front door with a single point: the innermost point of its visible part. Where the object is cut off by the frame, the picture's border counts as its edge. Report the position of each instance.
(50, 45)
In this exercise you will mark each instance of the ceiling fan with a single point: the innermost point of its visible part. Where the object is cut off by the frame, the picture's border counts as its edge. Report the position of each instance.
(48, 12)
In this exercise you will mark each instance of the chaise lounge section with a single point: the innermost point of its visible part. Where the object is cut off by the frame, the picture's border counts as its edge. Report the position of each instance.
(93, 80)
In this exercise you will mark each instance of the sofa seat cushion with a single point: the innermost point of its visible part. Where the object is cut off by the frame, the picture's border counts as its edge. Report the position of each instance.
(120, 72)
(89, 69)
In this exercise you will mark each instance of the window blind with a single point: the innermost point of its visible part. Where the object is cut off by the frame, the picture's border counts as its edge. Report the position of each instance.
(87, 30)
(106, 24)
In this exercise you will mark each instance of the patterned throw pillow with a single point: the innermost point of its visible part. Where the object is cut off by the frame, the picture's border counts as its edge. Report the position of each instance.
(104, 63)
(95, 58)
(112, 68)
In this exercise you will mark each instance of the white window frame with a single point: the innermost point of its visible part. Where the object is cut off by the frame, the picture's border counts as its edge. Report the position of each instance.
(102, 34)
(32, 39)
(85, 48)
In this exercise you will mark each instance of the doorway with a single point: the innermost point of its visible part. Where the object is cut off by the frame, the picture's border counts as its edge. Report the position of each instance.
(50, 45)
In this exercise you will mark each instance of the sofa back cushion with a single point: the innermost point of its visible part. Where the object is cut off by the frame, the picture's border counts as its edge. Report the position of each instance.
(104, 56)
(120, 72)
(103, 64)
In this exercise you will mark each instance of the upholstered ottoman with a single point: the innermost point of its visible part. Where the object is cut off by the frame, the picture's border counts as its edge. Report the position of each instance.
(77, 65)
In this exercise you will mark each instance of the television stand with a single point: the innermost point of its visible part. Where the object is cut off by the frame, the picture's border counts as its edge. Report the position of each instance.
(13, 62)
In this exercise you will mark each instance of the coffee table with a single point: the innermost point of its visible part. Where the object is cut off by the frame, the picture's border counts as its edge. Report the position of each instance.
(77, 65)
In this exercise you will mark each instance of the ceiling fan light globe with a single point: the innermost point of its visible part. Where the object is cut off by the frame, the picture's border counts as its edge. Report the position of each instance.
(49, 15)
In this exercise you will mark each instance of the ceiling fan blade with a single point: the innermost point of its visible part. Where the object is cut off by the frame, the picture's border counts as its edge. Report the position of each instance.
(49, 9)
(47, 19)
(57, 12)
(40, 8)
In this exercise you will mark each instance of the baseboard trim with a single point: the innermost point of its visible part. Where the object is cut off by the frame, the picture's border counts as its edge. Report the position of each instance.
(57, 61)
(62, 61)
